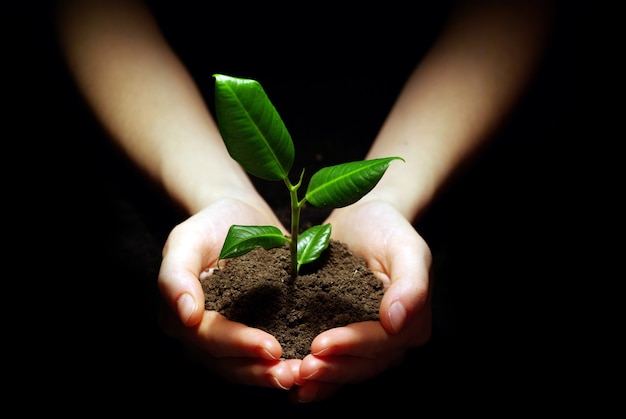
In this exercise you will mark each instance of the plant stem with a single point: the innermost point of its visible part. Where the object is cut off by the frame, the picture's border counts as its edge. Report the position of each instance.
(295, 225)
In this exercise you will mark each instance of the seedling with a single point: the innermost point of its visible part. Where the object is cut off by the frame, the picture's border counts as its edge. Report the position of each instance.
(258, 140)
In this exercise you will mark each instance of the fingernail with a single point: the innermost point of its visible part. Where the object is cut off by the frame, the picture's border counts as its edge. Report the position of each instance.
(313, 374)
(397, 316)
(276, 382)
(302, 399)
(305, 396)
(265, 353)
(322, 352)
(186, 306)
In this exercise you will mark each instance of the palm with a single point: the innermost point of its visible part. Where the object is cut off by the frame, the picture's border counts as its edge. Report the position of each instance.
(401, 258)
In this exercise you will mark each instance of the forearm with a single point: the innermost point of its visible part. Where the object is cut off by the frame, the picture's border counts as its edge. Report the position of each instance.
(455, 98)
(146, 100)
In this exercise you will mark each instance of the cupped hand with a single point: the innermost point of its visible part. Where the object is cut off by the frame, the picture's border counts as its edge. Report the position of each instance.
(354, 353)
(238, 353)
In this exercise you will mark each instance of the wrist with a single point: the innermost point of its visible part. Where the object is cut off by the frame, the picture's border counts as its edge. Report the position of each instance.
(194, 188)
(235, 189)
(410, 202)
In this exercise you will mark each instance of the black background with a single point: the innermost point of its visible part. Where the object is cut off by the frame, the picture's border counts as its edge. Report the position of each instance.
(86, 230)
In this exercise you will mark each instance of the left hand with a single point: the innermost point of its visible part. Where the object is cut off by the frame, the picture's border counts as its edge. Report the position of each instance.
(399, 256)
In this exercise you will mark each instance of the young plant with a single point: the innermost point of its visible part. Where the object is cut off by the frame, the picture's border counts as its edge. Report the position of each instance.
(258, 140)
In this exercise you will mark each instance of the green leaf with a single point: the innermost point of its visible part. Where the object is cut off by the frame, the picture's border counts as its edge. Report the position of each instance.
(312, 242)
(252, 129)
(344, 184)
(242, 239)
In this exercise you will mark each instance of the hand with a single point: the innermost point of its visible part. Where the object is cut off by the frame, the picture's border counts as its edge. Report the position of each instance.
(402, 260)
(238, 353)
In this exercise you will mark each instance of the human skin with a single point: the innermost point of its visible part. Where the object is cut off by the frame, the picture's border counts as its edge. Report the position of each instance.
(456, 97)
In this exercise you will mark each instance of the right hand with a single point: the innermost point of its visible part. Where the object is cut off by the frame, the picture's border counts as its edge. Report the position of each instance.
(239, 353)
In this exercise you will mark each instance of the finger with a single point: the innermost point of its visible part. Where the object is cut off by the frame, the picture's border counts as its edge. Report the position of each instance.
(252, 372)
(294, 365)
(369, 339)
(247, 371)
(314, 391)
(219, 337)
(222, 337)
(408, 266)
(178, 276)
(352, 353)
(344, 369)
(364, 339)
(238, 353)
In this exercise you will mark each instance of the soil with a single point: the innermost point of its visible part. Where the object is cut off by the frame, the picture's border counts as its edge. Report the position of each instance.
(257, 289)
